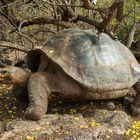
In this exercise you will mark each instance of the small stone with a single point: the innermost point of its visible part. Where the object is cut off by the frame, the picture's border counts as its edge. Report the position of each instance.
(111, 106)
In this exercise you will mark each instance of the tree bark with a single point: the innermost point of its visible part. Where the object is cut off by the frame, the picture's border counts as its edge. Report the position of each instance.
(131, 35)
(11, 45)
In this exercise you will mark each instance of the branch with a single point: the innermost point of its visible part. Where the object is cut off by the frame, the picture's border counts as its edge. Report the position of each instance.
(29, 1)
(14, 46)
(9, 12)
(109, 16)
(70, 5)
(2, 64)
(131, 35)
(68, 11)
(96, 24)
(107, 12)
(88, 5)
(42, 20)
(119, 15)
(87, 20)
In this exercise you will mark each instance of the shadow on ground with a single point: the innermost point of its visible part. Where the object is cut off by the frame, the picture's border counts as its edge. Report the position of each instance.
(71, 118)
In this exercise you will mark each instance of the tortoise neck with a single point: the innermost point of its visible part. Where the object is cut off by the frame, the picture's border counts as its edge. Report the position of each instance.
(21, 78)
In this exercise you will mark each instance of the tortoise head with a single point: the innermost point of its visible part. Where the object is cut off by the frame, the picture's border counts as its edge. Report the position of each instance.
(13, 75)
(7, 75)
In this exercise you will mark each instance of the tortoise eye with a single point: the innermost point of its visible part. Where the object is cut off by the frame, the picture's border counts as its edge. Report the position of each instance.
(3, 72)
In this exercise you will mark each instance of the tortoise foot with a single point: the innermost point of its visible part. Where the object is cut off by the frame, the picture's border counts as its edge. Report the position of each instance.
(35, 113)
(135, 110)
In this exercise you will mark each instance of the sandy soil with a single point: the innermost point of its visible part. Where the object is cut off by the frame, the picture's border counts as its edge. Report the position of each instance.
(11, 108)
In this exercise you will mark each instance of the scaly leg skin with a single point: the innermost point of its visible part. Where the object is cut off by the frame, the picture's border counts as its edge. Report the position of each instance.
(38, 97)
(135, 106)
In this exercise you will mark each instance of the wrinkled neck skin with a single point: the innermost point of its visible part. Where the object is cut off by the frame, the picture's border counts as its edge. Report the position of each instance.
(14, 75)
(21, 78)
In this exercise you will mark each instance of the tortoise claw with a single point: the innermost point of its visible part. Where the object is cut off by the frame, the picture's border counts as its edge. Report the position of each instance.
(34, 113)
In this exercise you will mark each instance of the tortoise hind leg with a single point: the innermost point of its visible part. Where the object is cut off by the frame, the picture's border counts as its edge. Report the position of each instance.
(135, 106)
(38, 97)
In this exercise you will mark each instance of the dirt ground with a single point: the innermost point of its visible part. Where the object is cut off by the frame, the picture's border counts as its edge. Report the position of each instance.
(11, 108)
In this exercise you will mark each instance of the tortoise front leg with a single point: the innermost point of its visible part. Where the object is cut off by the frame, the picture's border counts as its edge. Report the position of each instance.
(135, 106)
(38, 97)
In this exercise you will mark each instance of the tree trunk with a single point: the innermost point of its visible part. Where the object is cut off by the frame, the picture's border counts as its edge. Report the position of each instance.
(131, 35)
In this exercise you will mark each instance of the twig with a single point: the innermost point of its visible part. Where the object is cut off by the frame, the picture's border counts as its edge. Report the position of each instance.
(43, 20)
(2, 65)
(18, 32)
(70, 5)
(11, 45)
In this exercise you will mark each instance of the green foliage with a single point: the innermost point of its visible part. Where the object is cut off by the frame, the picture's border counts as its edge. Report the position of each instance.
(131, 16)
(131, 11)
(114, 22)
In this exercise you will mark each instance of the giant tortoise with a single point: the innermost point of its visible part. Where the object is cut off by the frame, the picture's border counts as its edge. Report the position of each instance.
(76, 63)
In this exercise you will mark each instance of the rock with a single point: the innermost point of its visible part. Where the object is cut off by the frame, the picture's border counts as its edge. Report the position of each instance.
(129, 98)
(112, 123)
(102, 125)
(110, 105)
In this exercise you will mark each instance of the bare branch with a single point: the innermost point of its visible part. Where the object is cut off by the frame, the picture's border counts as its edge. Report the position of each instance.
(88, 5)
(43, 20)
(2, 64)
(119, 15)
(110, 15)
(87, 20)
(70, 5)
(20, 33)
(10, 45)
(131, 35)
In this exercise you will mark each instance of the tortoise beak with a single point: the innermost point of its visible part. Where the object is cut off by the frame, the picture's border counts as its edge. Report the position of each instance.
(4, 75)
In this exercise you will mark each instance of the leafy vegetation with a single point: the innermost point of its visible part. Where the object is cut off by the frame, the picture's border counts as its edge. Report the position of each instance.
(30, 22)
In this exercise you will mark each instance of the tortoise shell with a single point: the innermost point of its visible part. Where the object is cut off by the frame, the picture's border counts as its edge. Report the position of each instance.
(96, 61)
